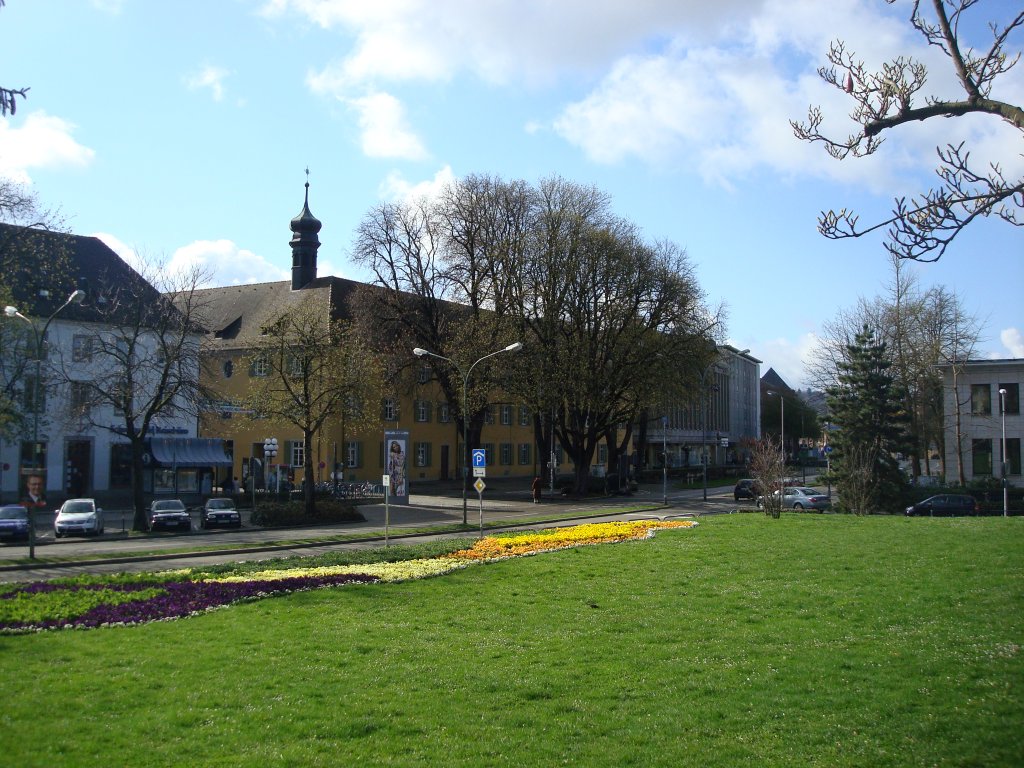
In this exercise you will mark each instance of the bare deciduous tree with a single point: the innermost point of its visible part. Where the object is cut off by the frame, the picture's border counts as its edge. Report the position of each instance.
(923, 227)
(317, 370)
(857, 485)
(768, 469)
(138, 360)
(8, 96)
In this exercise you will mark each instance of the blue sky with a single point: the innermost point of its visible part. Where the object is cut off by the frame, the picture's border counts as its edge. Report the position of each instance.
(181, 131)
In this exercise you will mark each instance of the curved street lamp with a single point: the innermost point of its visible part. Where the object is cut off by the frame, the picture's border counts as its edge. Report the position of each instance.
(76, 297)
(420, 352)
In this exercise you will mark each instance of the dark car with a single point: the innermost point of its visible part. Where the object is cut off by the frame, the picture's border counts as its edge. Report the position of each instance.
(169, 514)
(220, 512)
(944, 505)
(745, 489)
(13, 522)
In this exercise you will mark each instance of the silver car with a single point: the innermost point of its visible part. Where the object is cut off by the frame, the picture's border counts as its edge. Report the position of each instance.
(78, 516)
(800, 498)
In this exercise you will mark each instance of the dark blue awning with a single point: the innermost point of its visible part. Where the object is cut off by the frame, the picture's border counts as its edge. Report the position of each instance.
(189, 452)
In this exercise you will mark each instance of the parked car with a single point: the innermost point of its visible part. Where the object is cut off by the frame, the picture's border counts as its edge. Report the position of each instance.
(945, 504)
(745, 489)
(78, 516)
(220, 511)
(169, 514)
(13, 522)
(800, 498)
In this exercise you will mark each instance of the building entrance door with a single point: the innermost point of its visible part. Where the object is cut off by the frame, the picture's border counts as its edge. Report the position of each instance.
(444, 462)
(78, 468)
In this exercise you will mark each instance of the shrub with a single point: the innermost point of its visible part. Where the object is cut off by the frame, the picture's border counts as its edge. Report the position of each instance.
(272, 514)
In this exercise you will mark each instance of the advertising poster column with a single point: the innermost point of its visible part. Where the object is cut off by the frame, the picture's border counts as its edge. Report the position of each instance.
(396, 456)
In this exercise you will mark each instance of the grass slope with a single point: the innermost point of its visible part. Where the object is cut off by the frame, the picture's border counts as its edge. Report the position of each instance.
(806, 641)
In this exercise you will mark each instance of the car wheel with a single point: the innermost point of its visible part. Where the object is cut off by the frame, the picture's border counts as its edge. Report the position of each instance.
(57, 534)
(797, 505)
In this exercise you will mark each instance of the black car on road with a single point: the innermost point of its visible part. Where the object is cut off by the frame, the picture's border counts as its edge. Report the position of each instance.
(745, 489)
(169, 514)
(220, 511)
(945, 505)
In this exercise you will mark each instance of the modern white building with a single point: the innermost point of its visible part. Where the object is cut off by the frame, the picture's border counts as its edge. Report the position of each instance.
(717, 423)
(981, 409)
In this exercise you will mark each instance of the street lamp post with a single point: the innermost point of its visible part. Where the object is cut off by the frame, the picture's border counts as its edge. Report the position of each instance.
(782, 423)
(1002, 452)
(704, 429)
(269, 452)
(420, 352)
(828, 460)
(664, 460)
(76, 297)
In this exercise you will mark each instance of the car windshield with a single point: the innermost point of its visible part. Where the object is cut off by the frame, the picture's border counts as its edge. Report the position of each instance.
(77, 507)
(168, 506)
(220, 504)
(13, 513)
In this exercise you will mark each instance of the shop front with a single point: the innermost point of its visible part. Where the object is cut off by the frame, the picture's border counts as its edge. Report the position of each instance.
(184, 467)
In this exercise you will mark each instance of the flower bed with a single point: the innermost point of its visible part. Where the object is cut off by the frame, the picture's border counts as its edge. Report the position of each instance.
(121, 599)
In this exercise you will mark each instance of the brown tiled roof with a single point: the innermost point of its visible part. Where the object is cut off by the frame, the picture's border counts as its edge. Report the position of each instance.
(236, 315)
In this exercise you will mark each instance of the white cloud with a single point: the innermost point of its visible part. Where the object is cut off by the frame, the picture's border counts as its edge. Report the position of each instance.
(210, 77)
(709, 86)
(787, 356)
(226, 263)
(42, 141)
(385, 132)
(1013, 340)
(222, 260)
(395, 186)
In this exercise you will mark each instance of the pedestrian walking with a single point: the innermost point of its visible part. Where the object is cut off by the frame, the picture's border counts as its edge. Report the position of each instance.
(536, 490)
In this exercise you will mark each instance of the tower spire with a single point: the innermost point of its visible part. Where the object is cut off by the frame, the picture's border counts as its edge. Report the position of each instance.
(304, 243)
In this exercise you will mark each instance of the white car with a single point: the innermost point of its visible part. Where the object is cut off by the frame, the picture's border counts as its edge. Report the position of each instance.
(78, 516)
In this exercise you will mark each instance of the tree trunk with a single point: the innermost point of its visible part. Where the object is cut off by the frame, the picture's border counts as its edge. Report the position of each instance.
(308, 482)
(139, 521)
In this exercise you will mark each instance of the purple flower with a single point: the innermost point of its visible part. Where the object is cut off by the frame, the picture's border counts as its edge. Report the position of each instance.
(181, 598)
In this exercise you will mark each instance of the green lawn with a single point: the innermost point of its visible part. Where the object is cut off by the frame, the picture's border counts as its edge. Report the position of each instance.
(814, 640)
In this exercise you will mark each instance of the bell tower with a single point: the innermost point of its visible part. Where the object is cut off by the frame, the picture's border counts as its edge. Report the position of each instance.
(304, 243)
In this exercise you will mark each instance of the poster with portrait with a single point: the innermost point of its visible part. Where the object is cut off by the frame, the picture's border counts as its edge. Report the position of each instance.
(33, 488)
(396, 457)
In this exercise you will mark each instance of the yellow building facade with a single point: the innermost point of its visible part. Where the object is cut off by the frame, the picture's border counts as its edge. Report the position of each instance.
(236, 316)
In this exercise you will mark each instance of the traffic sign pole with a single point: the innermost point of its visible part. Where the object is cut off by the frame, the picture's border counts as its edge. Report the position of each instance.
(480, 485)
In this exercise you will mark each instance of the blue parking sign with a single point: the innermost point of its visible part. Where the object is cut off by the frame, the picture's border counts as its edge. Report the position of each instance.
(479, 457)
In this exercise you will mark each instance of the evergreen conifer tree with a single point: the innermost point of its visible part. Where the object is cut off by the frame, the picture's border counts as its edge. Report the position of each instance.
(867, 406)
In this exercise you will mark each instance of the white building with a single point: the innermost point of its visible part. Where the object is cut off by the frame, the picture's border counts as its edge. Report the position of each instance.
(77, 445)
(981, 404)
(716, 423)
